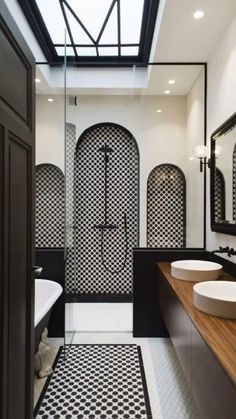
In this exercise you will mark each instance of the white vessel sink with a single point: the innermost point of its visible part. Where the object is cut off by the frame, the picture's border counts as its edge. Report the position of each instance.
(217, 298)
(195, 270)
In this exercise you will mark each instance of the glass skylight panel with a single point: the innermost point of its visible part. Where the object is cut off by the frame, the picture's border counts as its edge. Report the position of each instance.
(126, 51)
(86, 52)
(95, 28)
(51, 13)
(61, 51)
(108, 51)
(78, 33)
(131, 12)
(92, 13)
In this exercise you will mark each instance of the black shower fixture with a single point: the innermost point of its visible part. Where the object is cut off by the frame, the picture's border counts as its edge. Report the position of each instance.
(106, 150)
(106, 226)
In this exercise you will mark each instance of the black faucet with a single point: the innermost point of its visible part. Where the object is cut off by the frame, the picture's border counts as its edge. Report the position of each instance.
(230, 252)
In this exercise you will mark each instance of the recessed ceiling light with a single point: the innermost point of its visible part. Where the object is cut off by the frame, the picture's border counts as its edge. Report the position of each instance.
(171, 81)
(167, 92)
(50, 99)
(191, 158)
(158, 110)
(37, 80)
(198, 14)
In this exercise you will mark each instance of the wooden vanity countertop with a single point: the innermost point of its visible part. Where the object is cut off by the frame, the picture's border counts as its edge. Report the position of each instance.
(219, 334)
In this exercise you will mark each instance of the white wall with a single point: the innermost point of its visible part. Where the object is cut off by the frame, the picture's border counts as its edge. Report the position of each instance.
(161, 137)
(194, 178)
(221, 105)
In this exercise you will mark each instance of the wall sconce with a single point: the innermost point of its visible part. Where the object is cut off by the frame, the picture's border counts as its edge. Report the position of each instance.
(201, 152)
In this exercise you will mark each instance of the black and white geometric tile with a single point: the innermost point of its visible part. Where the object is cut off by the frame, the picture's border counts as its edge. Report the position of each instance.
(97, 382)
(49, 212)
(169, 394)
(234, 183)
(219, 200)
(166, 207)
(89, 207)
(69, 205)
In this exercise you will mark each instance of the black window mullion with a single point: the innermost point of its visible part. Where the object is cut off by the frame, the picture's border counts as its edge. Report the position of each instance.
(118, 26)
(106, 20)
(79, 21)
(68, 27)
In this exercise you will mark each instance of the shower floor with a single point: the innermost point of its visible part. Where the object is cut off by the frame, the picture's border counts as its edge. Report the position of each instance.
(99, 317)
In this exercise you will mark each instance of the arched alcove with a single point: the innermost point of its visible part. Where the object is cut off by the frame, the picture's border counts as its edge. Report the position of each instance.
(49, 208)
(166, 207)
(121, 196)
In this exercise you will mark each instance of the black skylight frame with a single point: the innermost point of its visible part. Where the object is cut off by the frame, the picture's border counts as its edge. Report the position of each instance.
(41, 33)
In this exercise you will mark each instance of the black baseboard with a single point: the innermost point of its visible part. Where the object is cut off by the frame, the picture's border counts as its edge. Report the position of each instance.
(99, 298)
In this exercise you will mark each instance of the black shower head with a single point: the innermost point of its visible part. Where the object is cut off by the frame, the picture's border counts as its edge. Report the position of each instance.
(105, 149)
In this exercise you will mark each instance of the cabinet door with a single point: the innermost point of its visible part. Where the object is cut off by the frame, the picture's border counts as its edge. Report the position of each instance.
(178, 323)
(180, 333)
(163, 296)
(214, 393)
(16, 221)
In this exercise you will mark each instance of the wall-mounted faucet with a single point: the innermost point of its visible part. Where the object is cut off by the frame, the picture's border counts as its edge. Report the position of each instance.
(230, 252)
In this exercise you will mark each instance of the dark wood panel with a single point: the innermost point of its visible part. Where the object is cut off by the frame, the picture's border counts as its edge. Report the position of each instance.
(177, 322)
(211, 387)
(14, 75)
(19, 241)
(180, 332)
(16, 222)
(1, 261)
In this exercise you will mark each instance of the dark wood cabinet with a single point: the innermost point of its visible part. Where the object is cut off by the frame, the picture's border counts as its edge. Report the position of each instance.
(212, 388)
(177, 323)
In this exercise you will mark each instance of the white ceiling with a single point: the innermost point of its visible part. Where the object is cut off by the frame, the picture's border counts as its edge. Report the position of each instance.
(183, 38)
(180, 38)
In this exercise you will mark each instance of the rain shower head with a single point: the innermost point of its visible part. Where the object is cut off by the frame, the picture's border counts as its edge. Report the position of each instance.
(105, 149)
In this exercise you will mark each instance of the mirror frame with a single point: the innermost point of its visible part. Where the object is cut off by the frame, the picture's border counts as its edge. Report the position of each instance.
(222, 130)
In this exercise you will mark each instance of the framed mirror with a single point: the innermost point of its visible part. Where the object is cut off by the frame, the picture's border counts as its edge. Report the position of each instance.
(223, 177)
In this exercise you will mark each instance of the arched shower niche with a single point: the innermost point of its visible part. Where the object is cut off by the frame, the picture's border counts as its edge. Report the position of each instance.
(106, 213)
(166, 207)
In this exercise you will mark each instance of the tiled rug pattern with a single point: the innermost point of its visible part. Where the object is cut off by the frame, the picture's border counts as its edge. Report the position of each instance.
(97, 382)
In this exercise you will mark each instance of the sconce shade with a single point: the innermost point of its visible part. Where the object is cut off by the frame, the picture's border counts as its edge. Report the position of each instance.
(200, 151)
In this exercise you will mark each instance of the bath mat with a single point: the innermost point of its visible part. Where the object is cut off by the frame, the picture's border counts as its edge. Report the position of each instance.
(97, 382)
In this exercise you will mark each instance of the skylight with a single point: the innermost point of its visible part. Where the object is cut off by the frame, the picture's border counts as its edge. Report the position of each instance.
(97, 30)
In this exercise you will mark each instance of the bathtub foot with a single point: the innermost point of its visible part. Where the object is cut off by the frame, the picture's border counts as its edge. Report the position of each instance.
(42, 362)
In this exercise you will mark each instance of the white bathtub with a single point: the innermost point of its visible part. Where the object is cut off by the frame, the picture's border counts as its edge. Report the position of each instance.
(46, 294)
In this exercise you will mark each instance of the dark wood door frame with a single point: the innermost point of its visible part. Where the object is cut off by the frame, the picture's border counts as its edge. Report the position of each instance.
(17, 149)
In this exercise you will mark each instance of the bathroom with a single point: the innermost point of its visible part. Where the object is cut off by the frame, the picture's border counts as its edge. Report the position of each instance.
(124, 181)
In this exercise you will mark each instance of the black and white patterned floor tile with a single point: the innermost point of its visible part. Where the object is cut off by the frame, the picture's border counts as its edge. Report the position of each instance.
(97, 382)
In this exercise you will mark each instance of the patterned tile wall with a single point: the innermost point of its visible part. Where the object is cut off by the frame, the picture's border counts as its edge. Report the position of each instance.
(69, 184)
(219, 196)
(49, 213)
(234, 184)
(166, 207)
(123, 173)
